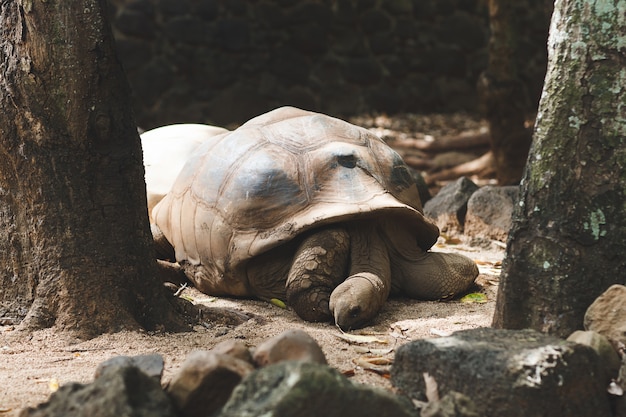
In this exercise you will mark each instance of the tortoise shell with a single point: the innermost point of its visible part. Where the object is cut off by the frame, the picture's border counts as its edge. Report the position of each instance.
(276, 176)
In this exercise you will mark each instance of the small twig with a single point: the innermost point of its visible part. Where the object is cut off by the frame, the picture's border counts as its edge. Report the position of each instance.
(181, 289)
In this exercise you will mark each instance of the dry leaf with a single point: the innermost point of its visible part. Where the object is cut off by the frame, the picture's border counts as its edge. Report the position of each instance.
(432, 393)
(615, 389)
(53, 384)
(380, 370)
(360, 339)
(378, 352)
(376, 360)
(440, 333)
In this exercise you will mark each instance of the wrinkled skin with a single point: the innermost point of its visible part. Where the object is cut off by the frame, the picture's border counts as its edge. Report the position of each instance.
(346, 273)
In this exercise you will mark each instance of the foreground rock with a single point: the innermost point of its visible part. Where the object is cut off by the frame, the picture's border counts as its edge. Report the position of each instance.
(151, 365)
(124, 391)
(609, 358)
(607, 315)
(507, 373)
(294, 345)
(205, 381)
(305, 389)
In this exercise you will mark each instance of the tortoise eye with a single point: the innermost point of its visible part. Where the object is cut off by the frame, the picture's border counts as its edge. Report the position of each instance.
(348, 161)
(355, 312)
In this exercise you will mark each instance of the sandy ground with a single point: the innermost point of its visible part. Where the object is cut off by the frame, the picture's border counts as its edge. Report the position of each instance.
(30, 370)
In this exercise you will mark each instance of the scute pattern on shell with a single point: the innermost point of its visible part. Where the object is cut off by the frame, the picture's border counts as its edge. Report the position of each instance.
(274, 177)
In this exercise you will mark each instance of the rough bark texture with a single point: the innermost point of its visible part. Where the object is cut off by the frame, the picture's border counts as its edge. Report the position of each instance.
(75, 246)
(568, 238)
(503, 94)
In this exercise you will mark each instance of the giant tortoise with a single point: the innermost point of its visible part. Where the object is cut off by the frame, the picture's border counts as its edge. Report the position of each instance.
(166, 149)
(310, 209)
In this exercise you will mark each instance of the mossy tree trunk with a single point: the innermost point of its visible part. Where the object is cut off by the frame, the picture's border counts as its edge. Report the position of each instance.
(568, 239)
(75, 245)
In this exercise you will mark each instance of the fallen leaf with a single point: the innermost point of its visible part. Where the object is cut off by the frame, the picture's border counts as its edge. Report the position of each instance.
(432, 392)
(380, 370)
(475, 297)
(379, 352)
(615, 389)
(204, 300)
(440, 333)
(53, 384)
(450, 240)
(377, 360)
(278, 303)
(360, 339)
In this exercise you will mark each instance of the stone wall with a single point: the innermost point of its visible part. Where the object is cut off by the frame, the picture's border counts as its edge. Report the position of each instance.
(224, 61)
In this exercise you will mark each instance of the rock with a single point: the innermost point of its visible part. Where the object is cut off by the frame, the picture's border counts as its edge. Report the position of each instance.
(122, 391)
(610, 360)
(304, 389)
(453, 404)
(449, 206)
(506, 373)
(607, 315)
(422, 187)
(205, 381)
(235, 348)
(292, 345)
(151, 365)
(489, 212)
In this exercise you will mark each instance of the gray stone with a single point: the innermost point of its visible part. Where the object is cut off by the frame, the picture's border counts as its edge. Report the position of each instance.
(607, 315)
(205, 381)
(506, 373)
(610, 360)
(151, 365)
(291, 345)
(304, 389)
(449, 206)
(489, 212)
(422, 187)
(124, 392)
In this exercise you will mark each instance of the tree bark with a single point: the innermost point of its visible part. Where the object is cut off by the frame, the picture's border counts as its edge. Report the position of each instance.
(568, 238)
(75, 245)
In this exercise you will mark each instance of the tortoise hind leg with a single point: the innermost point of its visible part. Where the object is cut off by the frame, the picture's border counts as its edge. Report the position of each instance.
(319, 265)
(437, 276)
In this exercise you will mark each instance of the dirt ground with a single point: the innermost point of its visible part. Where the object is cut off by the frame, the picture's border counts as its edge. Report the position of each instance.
(30, 370)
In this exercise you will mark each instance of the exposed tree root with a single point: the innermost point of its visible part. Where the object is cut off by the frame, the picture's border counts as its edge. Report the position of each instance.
(482, 167)
(465, 140)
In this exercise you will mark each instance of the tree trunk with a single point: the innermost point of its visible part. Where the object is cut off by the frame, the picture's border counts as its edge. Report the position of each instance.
(568, 238)
(503, 95)
(75, 245)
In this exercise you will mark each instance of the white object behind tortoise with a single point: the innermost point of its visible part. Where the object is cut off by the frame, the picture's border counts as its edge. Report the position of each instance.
(309, 209)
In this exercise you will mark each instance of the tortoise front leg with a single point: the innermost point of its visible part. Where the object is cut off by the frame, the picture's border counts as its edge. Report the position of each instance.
(318, 266)
(360, 297)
